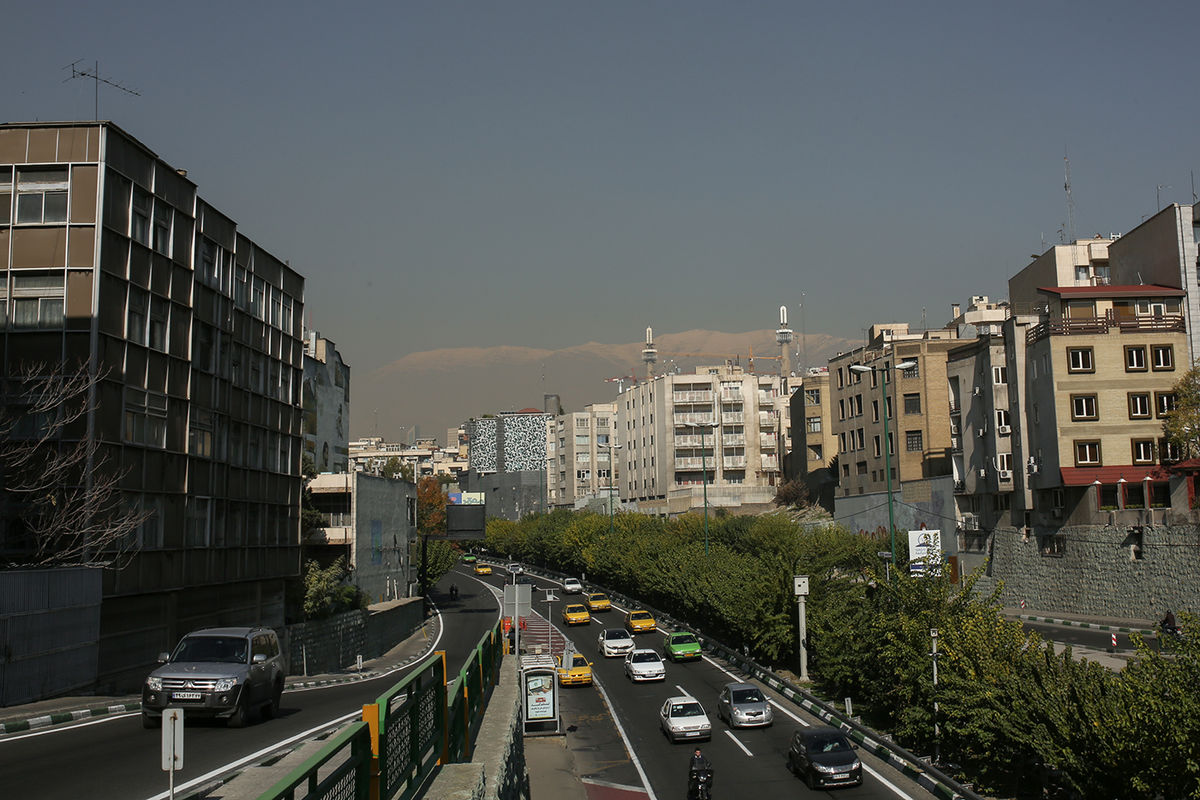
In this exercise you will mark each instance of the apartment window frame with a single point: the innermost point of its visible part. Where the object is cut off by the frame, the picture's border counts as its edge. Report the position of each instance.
(41, 199)
(1162, 357)
(1142, 450)
(1135, 358)
(1164, 404)
(914, 441)
(1000, 375)
(1081, 360)
(36, 301)
(912, 372)
(912, 403)
(1084, 408)
(1087, 452)
(1140, 405)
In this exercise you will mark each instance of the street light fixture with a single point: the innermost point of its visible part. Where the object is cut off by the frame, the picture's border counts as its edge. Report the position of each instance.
(612, 446)
(887, 450)
(704, 472)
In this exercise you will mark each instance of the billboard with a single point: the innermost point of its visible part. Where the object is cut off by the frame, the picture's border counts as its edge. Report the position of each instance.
(465, 521)
(925, 552)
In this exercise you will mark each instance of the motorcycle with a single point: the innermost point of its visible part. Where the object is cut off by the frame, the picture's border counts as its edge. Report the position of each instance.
(700, 784)
(453, 592)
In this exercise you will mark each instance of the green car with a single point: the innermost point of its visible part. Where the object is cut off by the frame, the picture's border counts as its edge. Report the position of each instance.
(681, 646)
(468, 558)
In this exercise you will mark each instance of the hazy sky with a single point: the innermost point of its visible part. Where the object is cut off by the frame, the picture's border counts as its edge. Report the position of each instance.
(453, 174)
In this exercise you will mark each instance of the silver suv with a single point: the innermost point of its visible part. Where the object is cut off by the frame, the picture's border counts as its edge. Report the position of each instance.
(218, 672)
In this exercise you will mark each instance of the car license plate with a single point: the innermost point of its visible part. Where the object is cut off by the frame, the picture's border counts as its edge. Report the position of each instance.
(841, 776)
(691, 733)
(186, 695)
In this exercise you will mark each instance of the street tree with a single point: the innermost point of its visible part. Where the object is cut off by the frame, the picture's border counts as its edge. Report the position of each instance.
(61, 501)
(1182, 426)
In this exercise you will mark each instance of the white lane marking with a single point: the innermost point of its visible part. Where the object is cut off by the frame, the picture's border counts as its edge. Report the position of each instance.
(895, 789)
(684, 691)
(625, 738)
(738, 742)
(241, 762)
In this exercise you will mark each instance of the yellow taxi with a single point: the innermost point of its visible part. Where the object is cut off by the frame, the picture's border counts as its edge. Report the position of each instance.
(577, 672)
(576, 614)
(482, 568)
(640, 621)
(598, 601)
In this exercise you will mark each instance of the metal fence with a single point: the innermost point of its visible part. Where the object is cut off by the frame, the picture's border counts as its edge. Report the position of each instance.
(412, 728)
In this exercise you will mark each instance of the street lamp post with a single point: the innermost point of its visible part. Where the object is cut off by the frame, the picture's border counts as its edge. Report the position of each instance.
(704, 472)
(887, 450)
(612, 447)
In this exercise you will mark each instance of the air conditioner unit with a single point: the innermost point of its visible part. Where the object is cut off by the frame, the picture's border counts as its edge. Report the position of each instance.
(1006, 474)
(1032, 469)
(977, 391)
(983, 431)
(1057, 512)
(954, 429)
(982, 472)
(1003, 430)
(970, 522)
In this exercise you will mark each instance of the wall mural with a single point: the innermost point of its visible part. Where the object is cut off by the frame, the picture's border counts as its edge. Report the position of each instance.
(523, 442)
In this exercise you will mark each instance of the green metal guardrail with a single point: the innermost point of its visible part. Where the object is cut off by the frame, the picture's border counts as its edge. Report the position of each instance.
(412, 728)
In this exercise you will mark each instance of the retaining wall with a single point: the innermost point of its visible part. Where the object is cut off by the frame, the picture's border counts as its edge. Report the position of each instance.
(333, 644)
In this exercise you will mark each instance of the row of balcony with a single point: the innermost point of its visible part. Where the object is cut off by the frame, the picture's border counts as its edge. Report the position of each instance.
(1081, 326)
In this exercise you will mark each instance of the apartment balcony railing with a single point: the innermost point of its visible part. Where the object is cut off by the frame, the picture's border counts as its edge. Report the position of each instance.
(736, 462)
(766, 441)
(770, 462)
(692, 463)
(733, 417)
(734, 439)
(692, 397)
(731, 395)
(688, 440)
(1142, 323)
(686, 418)
(338, 519)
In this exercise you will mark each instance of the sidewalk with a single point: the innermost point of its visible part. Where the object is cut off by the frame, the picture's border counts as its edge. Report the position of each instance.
(60, 710)
(1106, 657)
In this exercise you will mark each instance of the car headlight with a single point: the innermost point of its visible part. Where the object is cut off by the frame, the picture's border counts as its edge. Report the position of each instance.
(225, 684)
(154, 684)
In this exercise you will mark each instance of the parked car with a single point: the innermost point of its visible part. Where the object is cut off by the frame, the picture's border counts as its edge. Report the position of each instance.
(682, 717)
(681, 646)
(225, 673)
(742, 705)
(572, 586)
(576, 614)
(614, 642)
(577, 672)
(644, 664)
(597, 601)
(640, 621)
(823, 756)
(482, 568)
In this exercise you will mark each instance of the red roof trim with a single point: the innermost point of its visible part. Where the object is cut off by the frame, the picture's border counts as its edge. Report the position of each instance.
(1141, 290)
(1085, 476)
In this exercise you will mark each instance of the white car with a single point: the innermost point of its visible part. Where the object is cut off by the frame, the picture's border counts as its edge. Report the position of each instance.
(572, 586)
(614, 642)
(683, 717)
(515, 568)
(645, 665)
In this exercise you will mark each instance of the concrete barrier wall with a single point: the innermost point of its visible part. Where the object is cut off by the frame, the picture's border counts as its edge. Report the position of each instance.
(333, 644)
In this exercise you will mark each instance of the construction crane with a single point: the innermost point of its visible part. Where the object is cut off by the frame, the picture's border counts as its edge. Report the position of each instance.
(620, 381)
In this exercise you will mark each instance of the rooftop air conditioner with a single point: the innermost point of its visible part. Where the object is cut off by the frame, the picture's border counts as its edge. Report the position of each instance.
(1032, 469)
(1006, 475)
(982, 472)
(1003, 430)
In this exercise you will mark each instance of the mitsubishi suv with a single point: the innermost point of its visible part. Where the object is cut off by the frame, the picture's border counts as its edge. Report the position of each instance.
(225, 673)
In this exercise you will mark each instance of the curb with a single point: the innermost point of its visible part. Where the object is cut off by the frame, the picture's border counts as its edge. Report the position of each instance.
(60, 717)
(1072, 623)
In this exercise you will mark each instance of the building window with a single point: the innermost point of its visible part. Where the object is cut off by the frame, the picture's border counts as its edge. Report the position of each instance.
(139, 225)
(1168, 451)
(200, 433)
(1163, 357)
(1079, 359)
(1143, 451)
(1004, 462)
(1083, 406)
(875, 446)
(912, 372)
(159, 311)
(841, 409)
(37, 300)
(196, 532)
(1164, 403)
(999, 374)
(813, 424)
(1135, 359)
(41, 196)
(812, 397)
(1002, 419)
(912, 404)
(136, 315)
(162, 228)
(1087, 454)
(5, 196)
(914, 441)
(583, 474)
(583, 439)
(1139, 405)
(145, 418)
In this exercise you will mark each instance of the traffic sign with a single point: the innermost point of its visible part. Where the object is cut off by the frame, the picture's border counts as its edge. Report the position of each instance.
(800, 585)
(172, 739)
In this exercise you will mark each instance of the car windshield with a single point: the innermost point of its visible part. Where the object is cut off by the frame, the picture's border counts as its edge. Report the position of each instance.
(683, 638)
(576, 609)
(597, 597)
(640, 615)
(747, 696)
(687, 710)
(616, 634)
(833, 744)
(641, 658)
(579, 661)
(224, 649)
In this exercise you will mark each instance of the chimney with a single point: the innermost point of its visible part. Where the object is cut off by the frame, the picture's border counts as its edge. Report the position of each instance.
(955, 311)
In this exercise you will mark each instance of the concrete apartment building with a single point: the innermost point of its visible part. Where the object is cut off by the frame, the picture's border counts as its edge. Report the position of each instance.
(813, 443)
(719, 426)
(326, 400)
(110, 258)
(583, 453)
(507, 461)
(1099, 362)
(371, 454)
(371, 521)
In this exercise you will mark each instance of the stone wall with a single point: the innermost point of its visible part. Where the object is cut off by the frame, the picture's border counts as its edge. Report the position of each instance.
(1094, 573)
(497, 768)
(333, 644)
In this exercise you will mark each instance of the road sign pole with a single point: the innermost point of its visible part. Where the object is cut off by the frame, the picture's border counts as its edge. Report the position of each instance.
(172, 746)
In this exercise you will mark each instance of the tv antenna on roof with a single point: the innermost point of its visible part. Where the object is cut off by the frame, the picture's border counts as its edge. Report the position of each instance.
(94, 75)
(1070, 201)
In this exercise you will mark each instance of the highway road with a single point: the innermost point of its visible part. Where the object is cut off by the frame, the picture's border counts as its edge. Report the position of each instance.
(747, 763)
(114, 757)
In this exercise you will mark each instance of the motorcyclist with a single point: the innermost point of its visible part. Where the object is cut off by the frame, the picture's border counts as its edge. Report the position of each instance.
(1168, 623)
(699, 776)
(454, 591)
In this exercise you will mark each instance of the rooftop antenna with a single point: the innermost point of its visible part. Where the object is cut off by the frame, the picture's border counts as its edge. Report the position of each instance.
(1158, 196)
(94, 74)
(1194, 198)
(1070, 200)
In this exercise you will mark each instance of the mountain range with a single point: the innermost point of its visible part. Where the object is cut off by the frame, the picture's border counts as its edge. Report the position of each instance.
(425, 393)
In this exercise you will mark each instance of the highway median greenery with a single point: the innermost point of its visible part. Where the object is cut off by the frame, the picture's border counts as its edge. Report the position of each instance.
(1014, 716)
